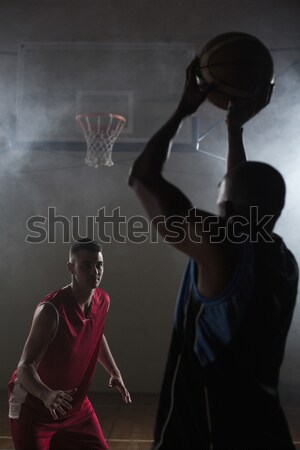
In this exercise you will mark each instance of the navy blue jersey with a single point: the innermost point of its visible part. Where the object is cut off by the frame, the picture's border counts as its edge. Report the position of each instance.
(220, 389)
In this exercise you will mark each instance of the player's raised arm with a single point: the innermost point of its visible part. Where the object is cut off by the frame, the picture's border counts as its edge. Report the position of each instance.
(239, 112)
(160, 198)
(149, 164)
(236, 151)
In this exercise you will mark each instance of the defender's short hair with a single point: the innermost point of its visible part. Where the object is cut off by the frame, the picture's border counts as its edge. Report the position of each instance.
(253, 183)
(85, 244)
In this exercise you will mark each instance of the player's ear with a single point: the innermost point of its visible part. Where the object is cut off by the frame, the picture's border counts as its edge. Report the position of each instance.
(70, 267)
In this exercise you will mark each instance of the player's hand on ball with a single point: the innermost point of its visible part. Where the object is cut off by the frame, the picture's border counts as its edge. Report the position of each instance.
(117, 381)
(262, 97)
(240, 110)
(195, 91)
(58, 402)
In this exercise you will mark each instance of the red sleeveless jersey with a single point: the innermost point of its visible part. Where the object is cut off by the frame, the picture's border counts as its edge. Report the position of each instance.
(71, 357)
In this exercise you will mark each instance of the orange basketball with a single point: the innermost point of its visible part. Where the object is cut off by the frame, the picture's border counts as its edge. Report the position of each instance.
(238, 64)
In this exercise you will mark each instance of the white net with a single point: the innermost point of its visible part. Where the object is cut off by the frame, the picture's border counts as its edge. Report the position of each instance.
(100, 131)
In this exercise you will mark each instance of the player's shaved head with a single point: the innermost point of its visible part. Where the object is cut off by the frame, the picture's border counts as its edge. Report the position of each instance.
(256, 184)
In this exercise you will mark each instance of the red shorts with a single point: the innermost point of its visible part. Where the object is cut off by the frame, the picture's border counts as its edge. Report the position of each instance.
(80, 431)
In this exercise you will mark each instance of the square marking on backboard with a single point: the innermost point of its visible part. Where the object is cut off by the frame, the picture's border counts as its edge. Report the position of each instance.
(55, 81)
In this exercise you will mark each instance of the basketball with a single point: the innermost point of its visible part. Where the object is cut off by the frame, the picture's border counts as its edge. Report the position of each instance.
(238, 64)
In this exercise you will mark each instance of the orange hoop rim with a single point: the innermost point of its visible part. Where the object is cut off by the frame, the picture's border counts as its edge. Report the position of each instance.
(101, 114)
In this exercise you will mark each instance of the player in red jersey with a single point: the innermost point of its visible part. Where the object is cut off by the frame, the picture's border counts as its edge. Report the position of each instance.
(48, 404)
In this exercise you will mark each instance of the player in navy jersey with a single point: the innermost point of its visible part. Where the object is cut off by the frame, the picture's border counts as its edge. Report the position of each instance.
(48, 404)
(236, 301)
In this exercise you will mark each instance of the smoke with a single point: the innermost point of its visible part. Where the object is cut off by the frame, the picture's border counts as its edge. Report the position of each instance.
(13, 157)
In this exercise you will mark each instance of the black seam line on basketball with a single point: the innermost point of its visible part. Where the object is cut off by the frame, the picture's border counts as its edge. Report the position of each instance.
(226, 88)
(231, 90)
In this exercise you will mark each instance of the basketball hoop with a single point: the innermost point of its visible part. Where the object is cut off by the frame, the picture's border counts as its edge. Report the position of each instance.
(100, 131)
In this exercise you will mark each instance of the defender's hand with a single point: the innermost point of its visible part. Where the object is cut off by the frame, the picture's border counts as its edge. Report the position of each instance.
(117, 381)
(58, 402)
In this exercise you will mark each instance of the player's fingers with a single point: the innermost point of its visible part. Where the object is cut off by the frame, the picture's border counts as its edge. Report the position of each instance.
(123, 393)
(191, 71)
(70, 391)
(263, 95)
(68, 395)
(112, 383)
(114, 380)
(61, 410)
(66, 404)
(53, 414)
(193, 65)
(204, 88)
(120, 386)
(128, 398)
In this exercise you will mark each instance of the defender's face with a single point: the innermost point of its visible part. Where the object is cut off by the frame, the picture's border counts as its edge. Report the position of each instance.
(87, 269)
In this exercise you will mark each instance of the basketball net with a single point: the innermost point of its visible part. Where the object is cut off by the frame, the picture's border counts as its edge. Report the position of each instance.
(100, 131)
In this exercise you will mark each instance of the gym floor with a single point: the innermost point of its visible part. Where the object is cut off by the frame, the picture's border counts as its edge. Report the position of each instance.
(124, 427)
(130, 427)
